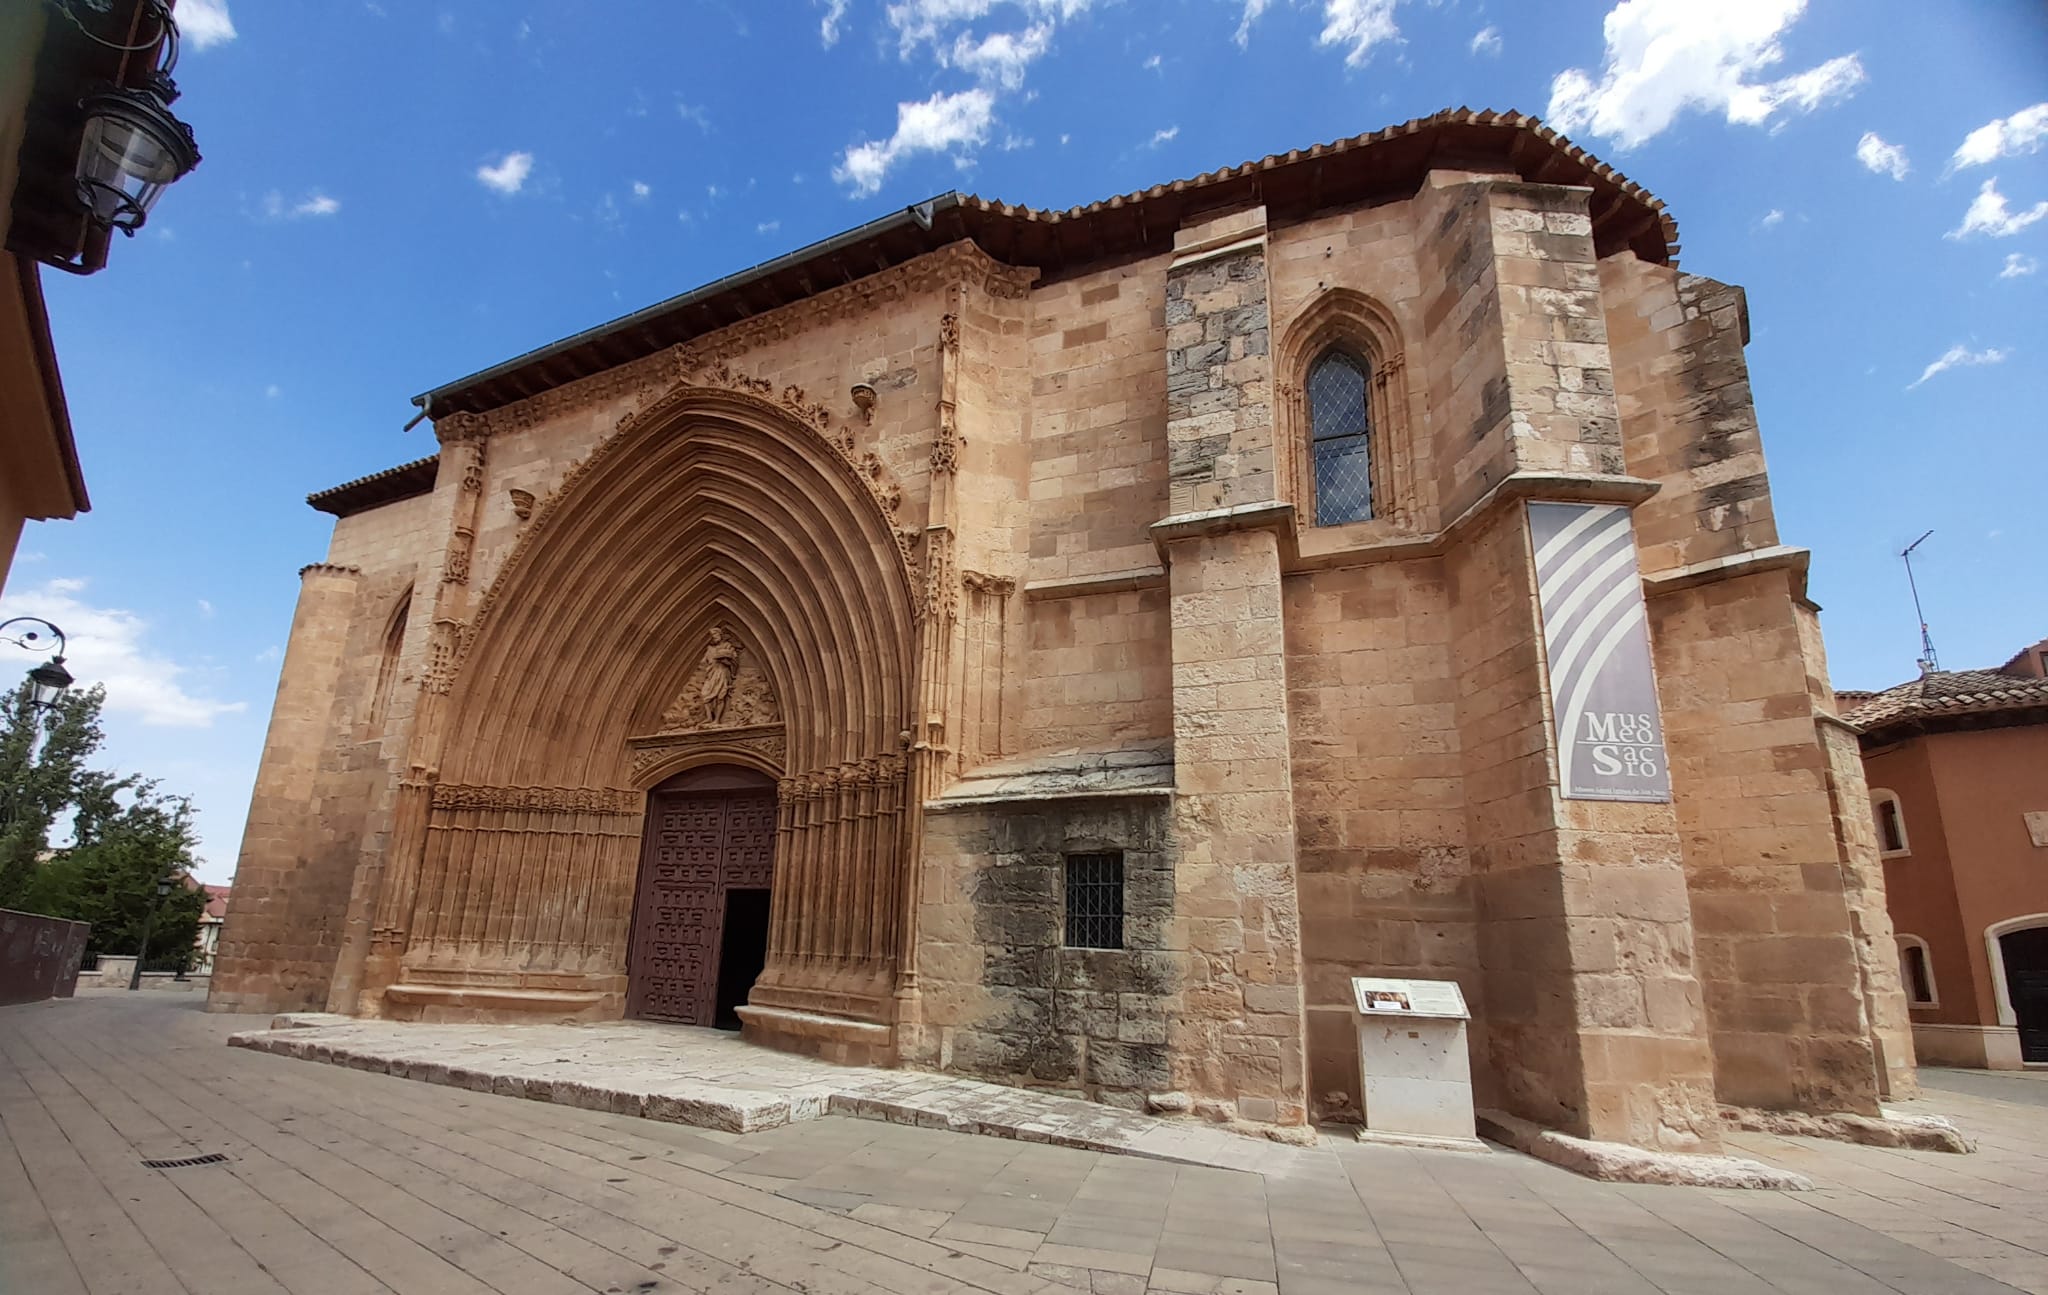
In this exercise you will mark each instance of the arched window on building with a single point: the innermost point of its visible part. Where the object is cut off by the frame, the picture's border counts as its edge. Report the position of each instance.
(387, 661)
(1891, 823)
(1916, 972)
(1340, 434)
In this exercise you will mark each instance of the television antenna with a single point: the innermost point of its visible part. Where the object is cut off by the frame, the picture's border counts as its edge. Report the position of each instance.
(1928, 661)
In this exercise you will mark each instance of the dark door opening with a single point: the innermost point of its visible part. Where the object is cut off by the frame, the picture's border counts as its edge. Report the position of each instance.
(707, 858)
(2026, 983)
(743, 951)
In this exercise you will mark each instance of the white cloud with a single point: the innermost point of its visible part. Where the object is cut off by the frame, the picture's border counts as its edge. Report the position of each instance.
(269, 654)
(1152, 64)
(641, 189)
(1358, 24)
(2023, 132)
(694, 115)
(940, 123)
(106, 645)
(1665, 57)
(273, 391)
(1487, 41)
(205, 608)
(202, 24)
(1988, 214)
(2018, 265)
(828, 26)
(1252, 10)
(508, 175)
(1881, 158)
(313, 204)
(1165, 136)
(1001, 57)
(1958, 356)
(768, 227)
(1771, 218)
(925, 22)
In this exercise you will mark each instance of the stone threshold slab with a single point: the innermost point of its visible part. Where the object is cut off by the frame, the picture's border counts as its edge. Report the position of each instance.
(708, 1079)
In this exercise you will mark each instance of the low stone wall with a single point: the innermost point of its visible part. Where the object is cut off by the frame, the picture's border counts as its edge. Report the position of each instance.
(1970, 1047)
(39, 956)
(115, 969)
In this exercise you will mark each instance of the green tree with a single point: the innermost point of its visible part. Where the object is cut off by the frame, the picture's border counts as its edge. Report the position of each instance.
(42, 760)
(127, 835)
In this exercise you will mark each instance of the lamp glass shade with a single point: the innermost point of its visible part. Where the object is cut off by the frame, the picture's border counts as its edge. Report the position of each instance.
(49, 680)
(163, 887)
(132, 149)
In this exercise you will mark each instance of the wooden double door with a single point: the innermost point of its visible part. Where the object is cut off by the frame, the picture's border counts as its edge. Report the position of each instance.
(700, 912)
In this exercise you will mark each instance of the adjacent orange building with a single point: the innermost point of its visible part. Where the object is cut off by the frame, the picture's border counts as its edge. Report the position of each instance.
(1957, 762)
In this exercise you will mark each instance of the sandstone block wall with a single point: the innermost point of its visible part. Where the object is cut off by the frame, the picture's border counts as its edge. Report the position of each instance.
(1379, 797)
(277, 948)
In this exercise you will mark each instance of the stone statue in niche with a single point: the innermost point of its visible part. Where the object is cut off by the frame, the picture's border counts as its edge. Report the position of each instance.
(727, 690)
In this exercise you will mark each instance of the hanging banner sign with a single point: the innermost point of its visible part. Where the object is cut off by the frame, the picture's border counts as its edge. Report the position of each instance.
(1596, 635)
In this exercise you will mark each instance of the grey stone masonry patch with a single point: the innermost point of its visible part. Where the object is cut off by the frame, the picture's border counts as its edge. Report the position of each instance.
(1218, 380)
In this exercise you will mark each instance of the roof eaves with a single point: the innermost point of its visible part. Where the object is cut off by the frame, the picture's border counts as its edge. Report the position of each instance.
(388, 486)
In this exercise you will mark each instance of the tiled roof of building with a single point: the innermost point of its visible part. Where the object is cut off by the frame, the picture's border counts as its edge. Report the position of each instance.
(1942, 695)
(401, 482)
(1292, 186)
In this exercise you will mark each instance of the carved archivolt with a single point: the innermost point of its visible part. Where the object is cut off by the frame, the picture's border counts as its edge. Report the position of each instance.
(710, 387)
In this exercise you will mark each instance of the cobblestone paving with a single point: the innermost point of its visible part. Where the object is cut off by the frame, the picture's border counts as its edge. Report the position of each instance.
(342, 1181)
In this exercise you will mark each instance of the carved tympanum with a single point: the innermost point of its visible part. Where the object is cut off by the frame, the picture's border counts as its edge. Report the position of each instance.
(726, 690)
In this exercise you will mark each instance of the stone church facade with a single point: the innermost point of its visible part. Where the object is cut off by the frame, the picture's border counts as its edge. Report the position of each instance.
(1065, 647)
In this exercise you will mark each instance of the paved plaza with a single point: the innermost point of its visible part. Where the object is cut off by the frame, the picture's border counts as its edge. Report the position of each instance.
(336, 1180)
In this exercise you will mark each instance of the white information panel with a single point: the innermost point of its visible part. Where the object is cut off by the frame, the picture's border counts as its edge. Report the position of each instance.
(1377, 996)
(1414, 1071)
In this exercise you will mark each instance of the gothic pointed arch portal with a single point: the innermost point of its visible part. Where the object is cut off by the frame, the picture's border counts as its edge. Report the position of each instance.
(721, 583)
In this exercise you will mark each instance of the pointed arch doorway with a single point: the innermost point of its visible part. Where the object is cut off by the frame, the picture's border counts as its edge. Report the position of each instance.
(700, 909)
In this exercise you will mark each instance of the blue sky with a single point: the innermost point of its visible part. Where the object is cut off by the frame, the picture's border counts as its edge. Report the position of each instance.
(395, 194)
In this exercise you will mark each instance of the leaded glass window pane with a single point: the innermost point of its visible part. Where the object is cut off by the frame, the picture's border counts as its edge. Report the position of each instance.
(1340, 430)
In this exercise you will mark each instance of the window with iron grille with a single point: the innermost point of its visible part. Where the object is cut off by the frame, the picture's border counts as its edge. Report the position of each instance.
(1095, 901)
(1340, 430)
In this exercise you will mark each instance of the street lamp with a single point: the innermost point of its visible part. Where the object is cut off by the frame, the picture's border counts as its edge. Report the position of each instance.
(163, 887)
(133, 149)
(49, 679)
(133, 146)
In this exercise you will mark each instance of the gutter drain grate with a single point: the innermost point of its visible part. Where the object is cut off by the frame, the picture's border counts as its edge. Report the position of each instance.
(216, 1158)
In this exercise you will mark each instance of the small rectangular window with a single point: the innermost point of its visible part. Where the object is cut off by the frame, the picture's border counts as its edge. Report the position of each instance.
(1890, 826)
(1095, 901)
(1919, 977)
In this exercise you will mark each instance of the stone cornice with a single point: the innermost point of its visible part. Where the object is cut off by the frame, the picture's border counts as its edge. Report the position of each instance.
(1563, 487)
(1778, 557)
(960, 263)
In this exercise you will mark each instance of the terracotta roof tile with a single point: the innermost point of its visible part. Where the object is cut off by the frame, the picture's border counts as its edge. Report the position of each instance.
(1944, 693)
